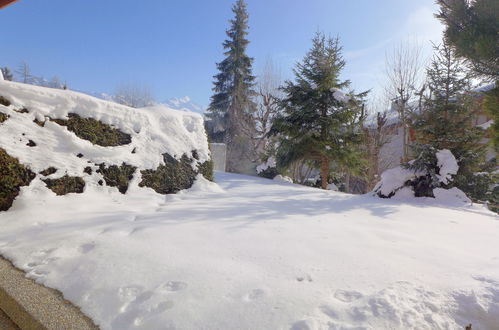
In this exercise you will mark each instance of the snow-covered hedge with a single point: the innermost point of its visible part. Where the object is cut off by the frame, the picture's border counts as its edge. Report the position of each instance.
(101, 142)
(429, 179)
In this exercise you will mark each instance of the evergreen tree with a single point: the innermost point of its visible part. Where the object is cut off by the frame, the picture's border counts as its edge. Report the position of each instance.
(7, 75)
(447, 116)
(319, 122)
(231, 108)
(473, 30)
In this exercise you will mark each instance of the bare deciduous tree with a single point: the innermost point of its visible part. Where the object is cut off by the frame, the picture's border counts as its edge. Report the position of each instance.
(133, 95)
(301, 170)
(267, 101)
(24, 72)
(376, 137)
(403, 69)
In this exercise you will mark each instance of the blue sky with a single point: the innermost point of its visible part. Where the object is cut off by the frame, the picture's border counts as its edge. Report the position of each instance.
(172, 46)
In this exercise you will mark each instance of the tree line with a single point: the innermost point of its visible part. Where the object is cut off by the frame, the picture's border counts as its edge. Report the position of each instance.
(316, 122)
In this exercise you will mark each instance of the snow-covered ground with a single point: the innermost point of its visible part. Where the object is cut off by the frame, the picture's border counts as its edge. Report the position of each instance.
(251, 253)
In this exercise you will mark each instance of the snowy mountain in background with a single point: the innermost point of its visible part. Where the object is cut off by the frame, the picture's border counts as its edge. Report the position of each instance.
(177, 103)
(184, 103)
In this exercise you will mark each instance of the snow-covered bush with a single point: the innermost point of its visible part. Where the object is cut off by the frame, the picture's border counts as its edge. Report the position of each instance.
(267, 169)
(74, 142)
(427, 176)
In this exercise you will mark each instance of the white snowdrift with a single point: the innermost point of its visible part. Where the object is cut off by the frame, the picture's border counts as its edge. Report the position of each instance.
(283, 178)
(393, 179)
(339, 95)
(447, 164)
(155, 131)
(260, 255)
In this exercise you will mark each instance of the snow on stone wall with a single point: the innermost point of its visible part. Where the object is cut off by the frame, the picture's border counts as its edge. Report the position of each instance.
(154, 132)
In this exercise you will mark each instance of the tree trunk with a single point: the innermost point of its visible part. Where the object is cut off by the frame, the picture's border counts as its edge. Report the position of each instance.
(347, 183)
(324, 172)
(404, 139)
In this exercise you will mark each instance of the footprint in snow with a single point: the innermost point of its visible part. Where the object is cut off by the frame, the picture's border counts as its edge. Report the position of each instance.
(162, 307)
(306, 277)
(33, 264)
(85, 248)
(347, 296)
(173, 286)
(129, 293)
(254, 295)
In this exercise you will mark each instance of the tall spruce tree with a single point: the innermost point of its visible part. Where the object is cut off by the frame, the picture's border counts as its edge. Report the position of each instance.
(472, 28)
(319, 122)
(231, 108)
(447, 116)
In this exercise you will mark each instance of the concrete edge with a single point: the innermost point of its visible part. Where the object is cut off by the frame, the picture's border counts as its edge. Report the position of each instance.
(34, 306)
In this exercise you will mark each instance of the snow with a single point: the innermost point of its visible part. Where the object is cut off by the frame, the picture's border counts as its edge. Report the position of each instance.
(185, 104)
(283, 178)
(271, 162)
(447, 164)
(393, 179)
(155, 130)
(1, 75)
(486, 125)
(484, 88)
(252, 253)
(339, 95)
(453, 196)
(332, 186)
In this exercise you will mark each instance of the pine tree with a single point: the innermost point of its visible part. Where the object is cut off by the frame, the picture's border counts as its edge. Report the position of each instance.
(7, 75)
(231, 108)
(319, 122)
(447, 116)
(472, 28)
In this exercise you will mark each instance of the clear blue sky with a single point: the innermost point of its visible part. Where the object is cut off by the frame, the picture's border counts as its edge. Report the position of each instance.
(172, 46)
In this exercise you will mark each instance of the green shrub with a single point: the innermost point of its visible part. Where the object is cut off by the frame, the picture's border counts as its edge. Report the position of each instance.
(3, 117)
(206, 169)
(169, 178)
(175, 175)
(117, 176)
(13, 175)
(4, 101)
(22, 110)
(94, 131)
(39, 123)
(66, 185)
(48, 171)
(87, 170)
(269, 173)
